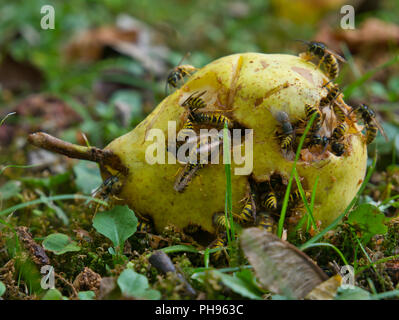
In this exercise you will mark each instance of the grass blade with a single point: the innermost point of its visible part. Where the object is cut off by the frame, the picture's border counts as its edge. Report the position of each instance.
(229, 202)
(348, 91)
(47, 199)
(287, 192)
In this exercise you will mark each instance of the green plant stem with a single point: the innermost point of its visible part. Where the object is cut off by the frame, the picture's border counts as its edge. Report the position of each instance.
(361, 269)
(325, 244)
(287, 192)
(229, 202)
(47, 199)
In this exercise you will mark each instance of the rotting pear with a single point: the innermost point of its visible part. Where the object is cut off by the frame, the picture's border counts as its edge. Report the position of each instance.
(249, 89)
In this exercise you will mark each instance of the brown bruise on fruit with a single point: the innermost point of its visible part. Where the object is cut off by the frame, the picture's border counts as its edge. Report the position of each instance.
(304, 73)
(240, 86)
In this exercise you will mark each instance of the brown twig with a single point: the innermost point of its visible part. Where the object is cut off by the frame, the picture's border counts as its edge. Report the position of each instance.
(74, 291)
(101, 156)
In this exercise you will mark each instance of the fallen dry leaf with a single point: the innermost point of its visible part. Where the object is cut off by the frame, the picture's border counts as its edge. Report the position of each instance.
(279, 266)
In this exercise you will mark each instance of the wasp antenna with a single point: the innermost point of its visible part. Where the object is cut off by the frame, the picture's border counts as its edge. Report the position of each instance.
(184, 57)
(201, 94)
(303, 41)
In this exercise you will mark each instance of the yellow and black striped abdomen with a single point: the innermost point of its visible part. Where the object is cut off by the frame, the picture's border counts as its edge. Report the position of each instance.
(339, 113)
(332, 66)
(220, 242)
(188, 124)
(287, 141)
(194, 101)
(309, 112)
(371, 132)
(295, 197)
(143, 226)
(246, 214)
(270, 201)
(339, 131)
(174, 77)
(333, 92)
(220, 221)
(266, 221)
(212, 118)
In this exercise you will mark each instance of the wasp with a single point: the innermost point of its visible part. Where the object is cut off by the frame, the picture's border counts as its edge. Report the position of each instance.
(184, 132)
(339, 131)
(326, 57)
(265, 221)
(367, 115)
(220, 242)
(216, 119)
(188, 124)
(339, 113)
(186, 175)
(111, 186)
(318, 140)
(333, 92)
(195, 163)
(270, 200)
(143, 226)
(247, 213)
(296, 196)
(337, 148)
(309, 112)
(178, 73)
(194, 101)
(288, 136)
(220, 221)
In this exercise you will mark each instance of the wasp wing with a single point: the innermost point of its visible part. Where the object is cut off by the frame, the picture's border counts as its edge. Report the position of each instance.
(336, 55)
(381, 129)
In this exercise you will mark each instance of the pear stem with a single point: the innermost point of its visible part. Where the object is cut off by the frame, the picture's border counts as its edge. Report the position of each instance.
(101, 156)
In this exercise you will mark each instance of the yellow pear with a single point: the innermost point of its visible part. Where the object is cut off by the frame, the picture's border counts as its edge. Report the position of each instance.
(250, 89)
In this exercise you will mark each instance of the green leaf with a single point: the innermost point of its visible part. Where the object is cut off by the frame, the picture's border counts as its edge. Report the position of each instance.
(88, 176)
(249, 277)
(2, 288)
(117, 224)
(136, 285)
(52, 294)
(180, 248)
(355, 293)
(10, 189)
(239, 286)
(369, 220)
(86, 295)
(49, 182)
(59, 243)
